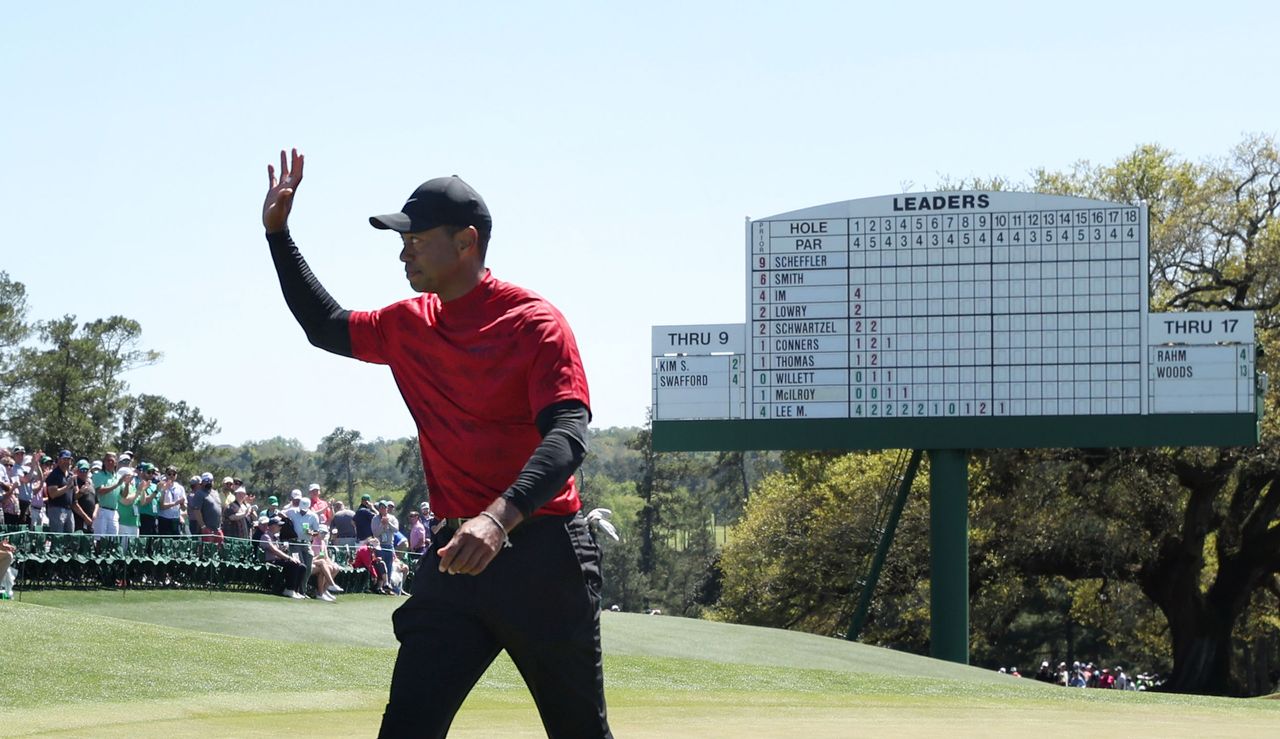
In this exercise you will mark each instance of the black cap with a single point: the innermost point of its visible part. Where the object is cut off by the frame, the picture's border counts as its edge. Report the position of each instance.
(444, 201)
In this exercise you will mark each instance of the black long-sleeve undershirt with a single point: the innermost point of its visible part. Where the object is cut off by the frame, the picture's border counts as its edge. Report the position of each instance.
(323, 320)
(563, 425)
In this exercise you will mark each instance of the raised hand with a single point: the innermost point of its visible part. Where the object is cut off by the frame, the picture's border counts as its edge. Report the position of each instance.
(279, 200)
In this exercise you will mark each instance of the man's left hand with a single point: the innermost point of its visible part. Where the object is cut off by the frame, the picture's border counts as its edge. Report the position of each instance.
(478, 541)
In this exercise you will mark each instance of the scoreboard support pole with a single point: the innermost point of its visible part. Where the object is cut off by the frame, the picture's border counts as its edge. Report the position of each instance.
(949, 555)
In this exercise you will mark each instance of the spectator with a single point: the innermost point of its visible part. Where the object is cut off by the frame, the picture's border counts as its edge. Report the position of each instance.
(26, 481)
(396, 575)
(419, 541)
(37, 512)
(9, 494)
(128, 506)
(173, 499)
(260, 527)
(304, 522)
(238, 512)
(273, 507)
(322, 567)
(148, 500)
(228, 494)
(319, 506)
(85, 502)
(368, 559)
(364, 518)
(60, 486)
(106, 484)
(385, 528)
(294, 574)
(7, 551)
(206, 516)
(187, 527)
(24, 472)
(344, 525)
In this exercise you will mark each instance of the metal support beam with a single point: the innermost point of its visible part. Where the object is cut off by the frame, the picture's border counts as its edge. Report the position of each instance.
(882, 549)
(949, 555)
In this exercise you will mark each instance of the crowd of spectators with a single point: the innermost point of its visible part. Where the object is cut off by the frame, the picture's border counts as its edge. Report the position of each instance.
(1089, 675)
(122, 497)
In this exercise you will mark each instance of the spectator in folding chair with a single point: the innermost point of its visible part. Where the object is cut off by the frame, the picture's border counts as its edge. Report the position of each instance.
(322, 567)
(396, 575)
(295, 576)
(368, 559)
(7, 551)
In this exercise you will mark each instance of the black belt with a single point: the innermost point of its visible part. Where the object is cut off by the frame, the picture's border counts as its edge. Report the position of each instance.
(106, 508)
(456, 523)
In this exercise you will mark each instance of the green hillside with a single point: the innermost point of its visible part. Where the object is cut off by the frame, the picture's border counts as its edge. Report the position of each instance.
(222, 664)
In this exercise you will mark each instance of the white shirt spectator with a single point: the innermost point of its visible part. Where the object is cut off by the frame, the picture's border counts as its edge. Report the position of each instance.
(170, 495)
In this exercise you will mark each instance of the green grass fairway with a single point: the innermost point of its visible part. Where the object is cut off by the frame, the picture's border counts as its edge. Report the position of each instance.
(171, 664)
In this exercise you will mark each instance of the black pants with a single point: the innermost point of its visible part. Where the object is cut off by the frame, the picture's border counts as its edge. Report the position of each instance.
(147, 525)
(295, 576)
(167, 526)
(539, 600)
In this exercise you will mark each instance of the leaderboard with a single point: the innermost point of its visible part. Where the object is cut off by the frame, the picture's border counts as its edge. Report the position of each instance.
(948, 304)
(952, 304)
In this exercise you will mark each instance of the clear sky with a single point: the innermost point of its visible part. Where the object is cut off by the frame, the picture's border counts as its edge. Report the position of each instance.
(619, 149)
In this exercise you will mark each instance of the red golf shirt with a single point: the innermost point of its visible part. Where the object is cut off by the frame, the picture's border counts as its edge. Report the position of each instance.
(474, 373)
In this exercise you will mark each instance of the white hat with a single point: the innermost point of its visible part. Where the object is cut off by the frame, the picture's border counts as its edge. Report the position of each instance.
(241, 489)
(295, 494)
(304, 504)
(313, 486)
(227, 480)
(125, 471)
(95, 464)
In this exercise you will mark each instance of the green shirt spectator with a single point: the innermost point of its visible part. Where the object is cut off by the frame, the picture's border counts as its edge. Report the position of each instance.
(108, 482)
(129, 511)
(152, 508)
